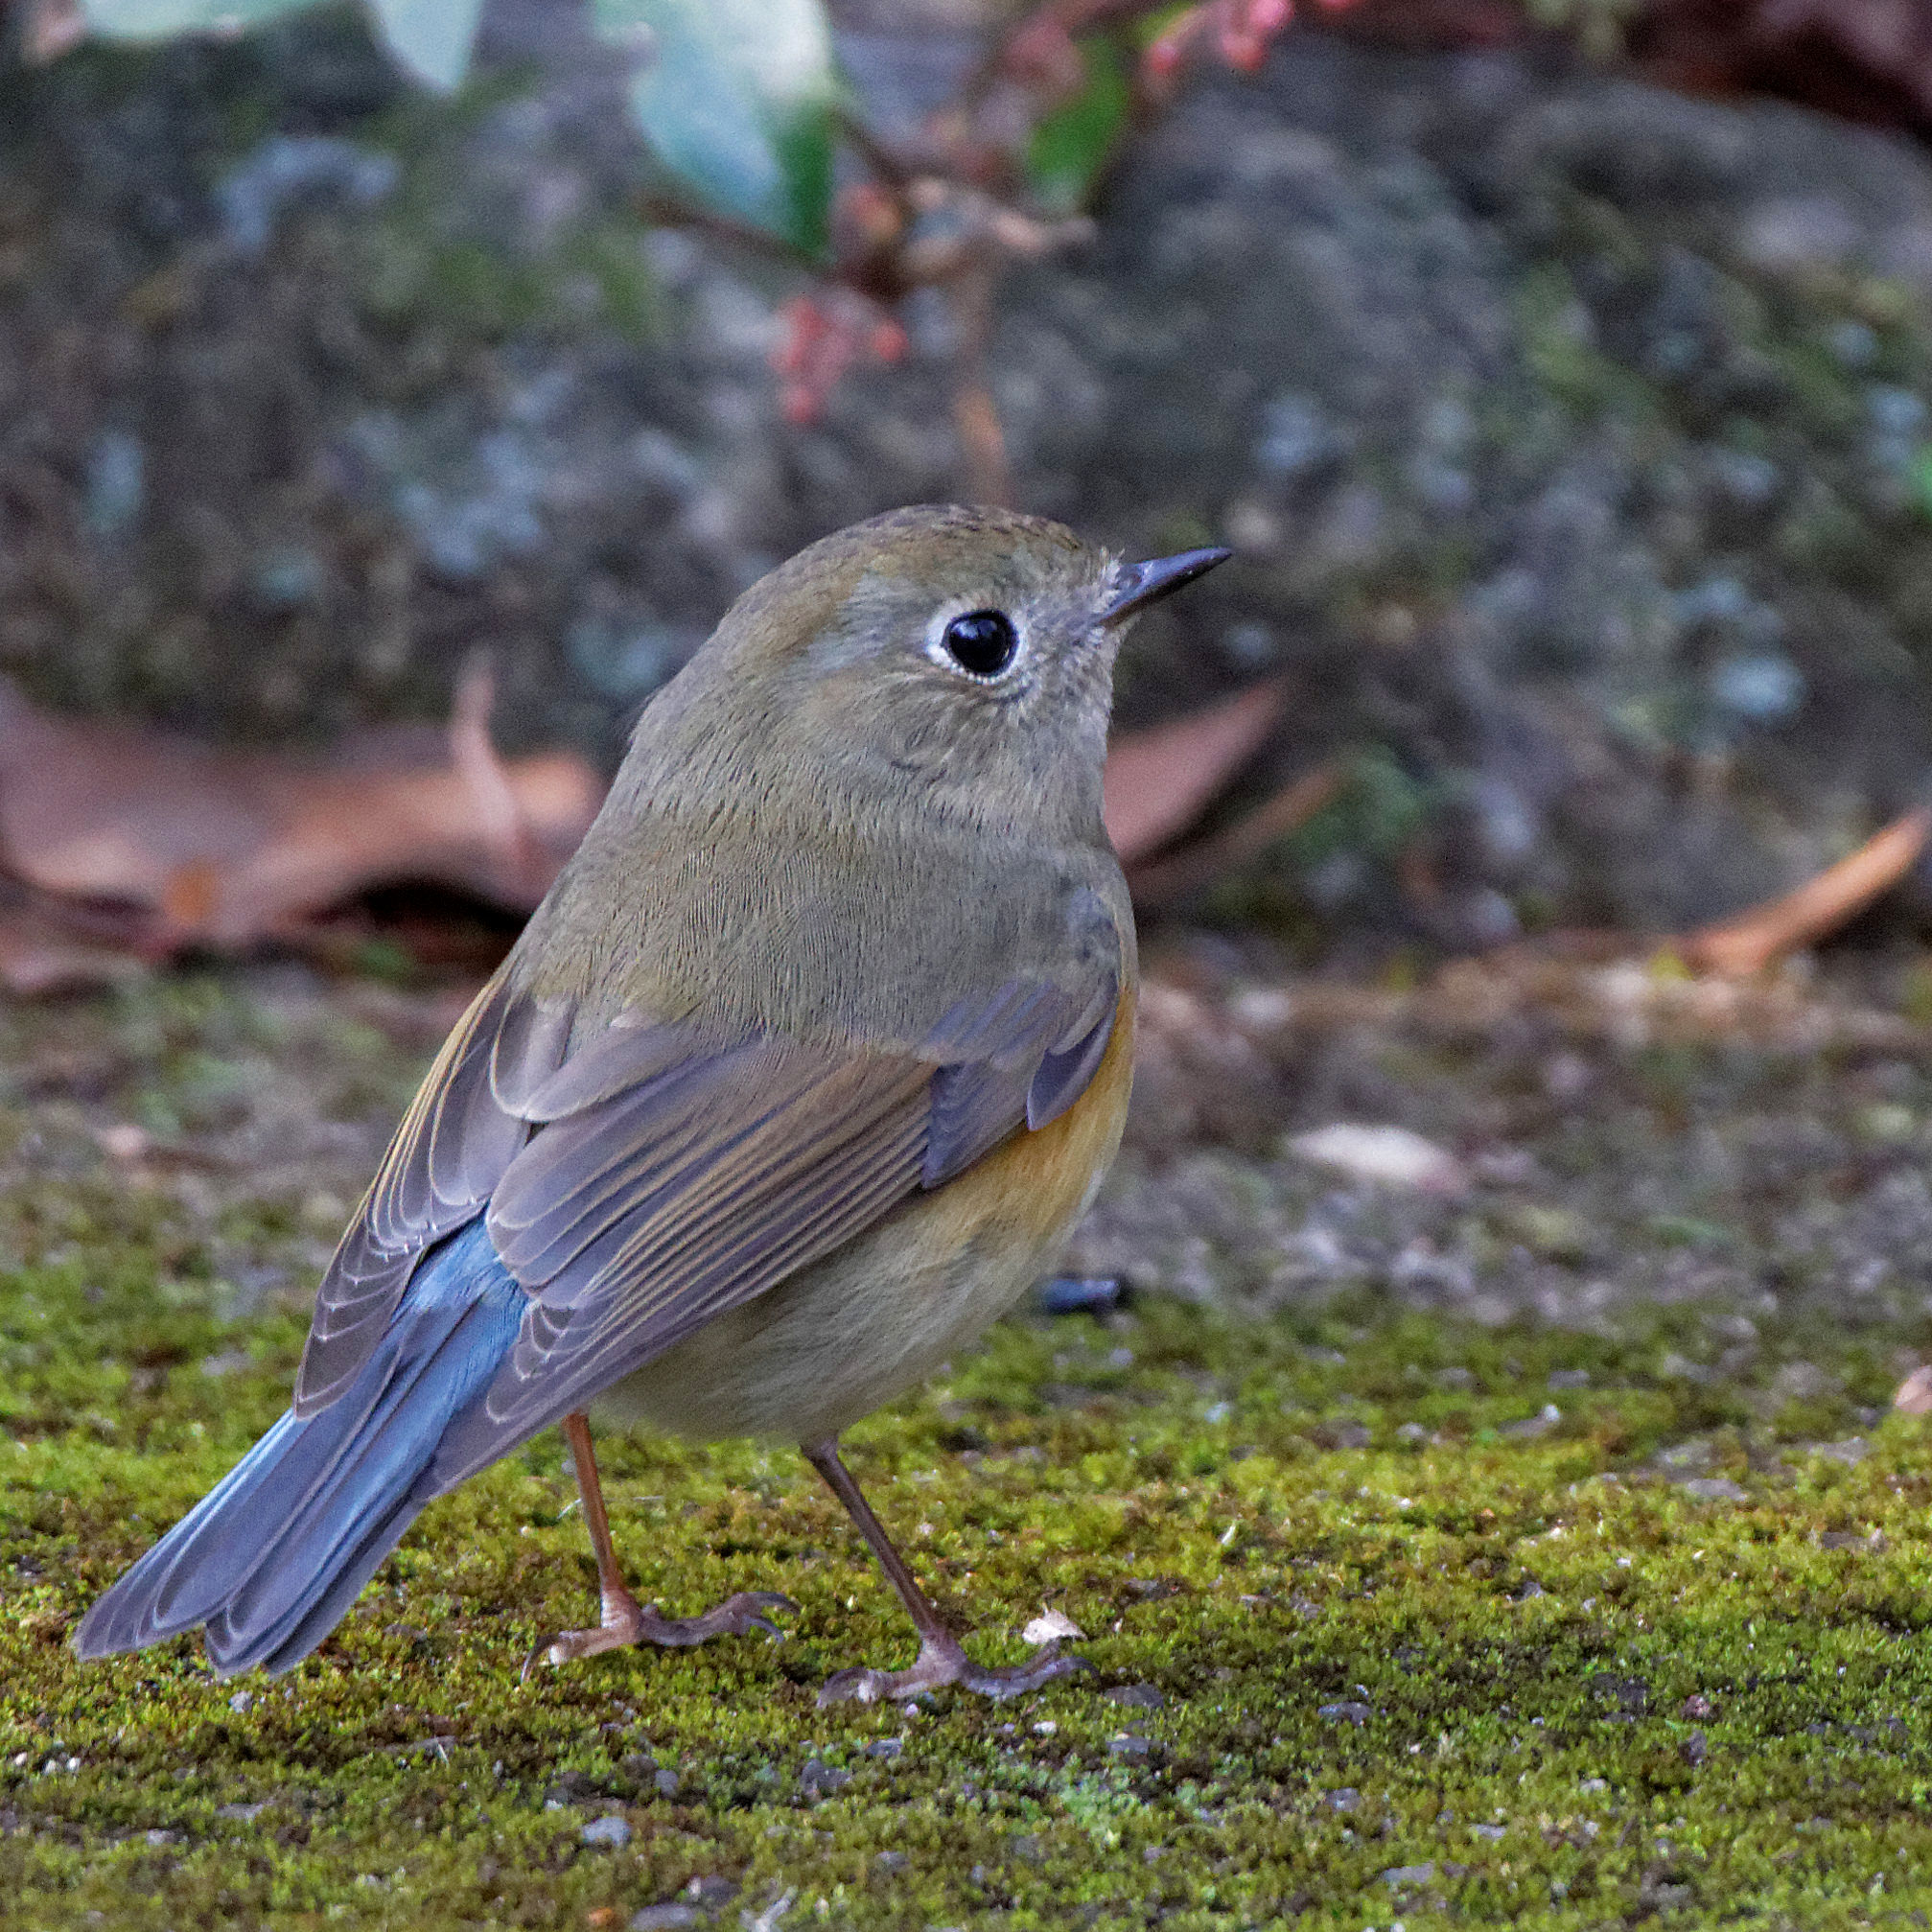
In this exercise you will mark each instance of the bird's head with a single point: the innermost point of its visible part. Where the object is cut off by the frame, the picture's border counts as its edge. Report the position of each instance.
(957, 660)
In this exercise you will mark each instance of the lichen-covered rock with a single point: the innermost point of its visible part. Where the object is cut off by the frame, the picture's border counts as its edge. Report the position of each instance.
(1574, 435)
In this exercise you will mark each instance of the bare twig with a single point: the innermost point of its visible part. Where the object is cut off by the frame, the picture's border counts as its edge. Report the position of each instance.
(498, 813)
(1737, 947)
(989, 478)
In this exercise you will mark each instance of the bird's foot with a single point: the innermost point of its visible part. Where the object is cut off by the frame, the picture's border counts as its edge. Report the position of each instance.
(943, 1661)
(626, 1621)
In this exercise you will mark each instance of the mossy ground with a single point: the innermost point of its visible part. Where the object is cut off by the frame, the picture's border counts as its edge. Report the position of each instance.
(1422, 1618)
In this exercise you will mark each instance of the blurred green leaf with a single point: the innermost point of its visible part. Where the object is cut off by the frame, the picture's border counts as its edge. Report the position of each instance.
(1071, 144)
(736, 97)
(1922, 481)
(157, 19)
(431, 39)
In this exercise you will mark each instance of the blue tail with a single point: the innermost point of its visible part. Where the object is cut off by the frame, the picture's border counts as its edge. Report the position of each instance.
(274, 1556)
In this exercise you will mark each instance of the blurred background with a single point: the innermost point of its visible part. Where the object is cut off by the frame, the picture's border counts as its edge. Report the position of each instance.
(1557, 370)
(393, 395)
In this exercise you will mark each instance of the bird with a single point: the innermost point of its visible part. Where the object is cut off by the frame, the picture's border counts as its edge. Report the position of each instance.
(800, 1074)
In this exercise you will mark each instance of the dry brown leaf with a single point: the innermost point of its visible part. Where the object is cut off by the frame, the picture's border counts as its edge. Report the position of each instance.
(226, 848)
(40, 956)
(1737, 947)
(1867, 60)
(1159, 781)
(1157, 882)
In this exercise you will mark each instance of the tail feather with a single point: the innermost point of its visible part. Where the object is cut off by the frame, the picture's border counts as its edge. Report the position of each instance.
(271, 1558)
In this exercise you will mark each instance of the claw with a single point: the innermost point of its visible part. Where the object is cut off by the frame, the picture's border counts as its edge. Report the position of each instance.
(626, 1622)
(941, 1664)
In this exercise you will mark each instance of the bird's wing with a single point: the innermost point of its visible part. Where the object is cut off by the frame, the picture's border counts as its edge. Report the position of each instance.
(660, 1174)
(672, 1179)
(458, 1138)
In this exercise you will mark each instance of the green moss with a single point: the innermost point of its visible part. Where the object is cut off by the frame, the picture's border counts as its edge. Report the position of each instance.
(1561, 354)
(1487, 1642)
(1385, 1598)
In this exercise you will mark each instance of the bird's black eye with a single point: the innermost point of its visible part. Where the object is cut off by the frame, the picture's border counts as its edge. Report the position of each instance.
(982, 643)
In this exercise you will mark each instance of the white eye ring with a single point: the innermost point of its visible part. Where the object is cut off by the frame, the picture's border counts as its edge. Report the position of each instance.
(980, 641)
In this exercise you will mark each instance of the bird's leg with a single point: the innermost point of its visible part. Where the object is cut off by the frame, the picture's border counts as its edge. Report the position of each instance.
(942, 1658)
(624, 1619)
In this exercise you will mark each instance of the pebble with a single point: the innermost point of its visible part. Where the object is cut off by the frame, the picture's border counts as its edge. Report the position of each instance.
(1533, 1426)
(820, 1779)
(613, 1831)
(667, 1918)
(1344, 1434)
(1348, 1711)
(1050, 1626)
(1915, 1393)
(1715, 1489)
(1393, 1156)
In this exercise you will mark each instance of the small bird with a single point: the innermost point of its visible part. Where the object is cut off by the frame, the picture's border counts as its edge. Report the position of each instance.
(800, 1075)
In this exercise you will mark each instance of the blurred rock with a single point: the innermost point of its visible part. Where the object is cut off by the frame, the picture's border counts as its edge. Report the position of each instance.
(1393, 1155)
(1575, 435)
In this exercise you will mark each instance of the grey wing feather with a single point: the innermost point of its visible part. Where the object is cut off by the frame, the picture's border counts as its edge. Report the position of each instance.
(793, 1151)
(1028, 1053)
(1063, 1071)
(453, 1146)
(1032, 1071)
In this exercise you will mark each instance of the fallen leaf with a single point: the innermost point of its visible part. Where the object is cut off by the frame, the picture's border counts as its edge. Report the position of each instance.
(226, 848)
(1750, 942)
(1392, 1156)
(50, 948)
(1049, 1626)
(1159, 781)
(1868, 61)
(1157, 883)
(1915, 1393)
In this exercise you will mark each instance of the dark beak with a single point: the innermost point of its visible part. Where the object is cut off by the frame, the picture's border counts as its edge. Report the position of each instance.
(1145, 584)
